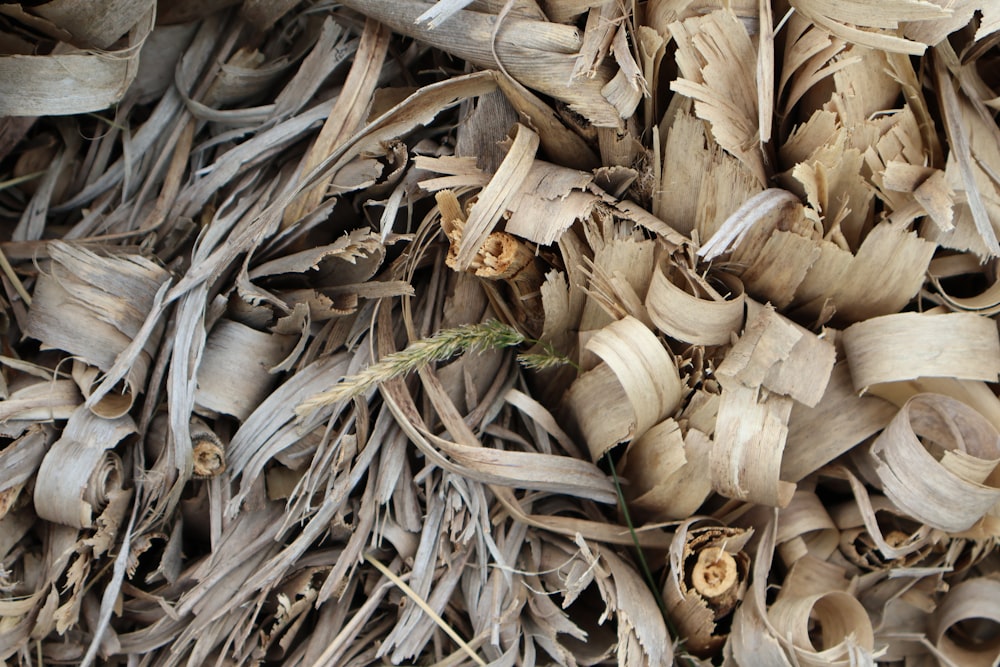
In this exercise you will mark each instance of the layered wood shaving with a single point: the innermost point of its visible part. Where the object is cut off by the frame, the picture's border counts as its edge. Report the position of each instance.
(521, 332)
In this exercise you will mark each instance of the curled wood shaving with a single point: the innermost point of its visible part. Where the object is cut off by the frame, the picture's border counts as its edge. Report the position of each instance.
(720, 222)
(705, 317)
(93, 306)
(71, 80)
(927, 487)
(667, 472)
(845, 20)
(80, 473)
(875, 356)
(644, 369)
(846, 628)
(971, 598)
(805, 528)
(840, 421)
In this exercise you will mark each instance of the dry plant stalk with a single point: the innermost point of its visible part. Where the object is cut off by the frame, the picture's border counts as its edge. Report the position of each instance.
(708, 580)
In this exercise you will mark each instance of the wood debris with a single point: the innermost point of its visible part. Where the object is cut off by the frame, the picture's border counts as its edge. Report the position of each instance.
(516, 332)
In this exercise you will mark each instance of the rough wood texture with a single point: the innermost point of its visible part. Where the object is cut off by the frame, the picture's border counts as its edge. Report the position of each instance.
(367, 332)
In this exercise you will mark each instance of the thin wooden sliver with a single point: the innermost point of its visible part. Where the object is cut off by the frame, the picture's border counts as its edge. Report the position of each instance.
(844, 620)
(74, 81)
(492, 201)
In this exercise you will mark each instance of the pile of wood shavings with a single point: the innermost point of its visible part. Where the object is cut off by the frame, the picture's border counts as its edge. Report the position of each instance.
(362, 332)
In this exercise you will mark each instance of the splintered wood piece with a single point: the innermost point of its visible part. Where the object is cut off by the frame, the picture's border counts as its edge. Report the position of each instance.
(500, 257)
(618, 276)
(492, 202)
(208, 452)
(642, 636)
(852, 21)
(767, 210)
(686, 159)
(779, 355)
(20, 460)
(347, 113)
(891, 257)
(717, 60)
(352, 258)
(549, 201)
(929, 188)
(962, 151)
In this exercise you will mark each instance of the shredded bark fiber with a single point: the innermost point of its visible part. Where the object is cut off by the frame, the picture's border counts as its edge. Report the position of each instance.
(506, 332)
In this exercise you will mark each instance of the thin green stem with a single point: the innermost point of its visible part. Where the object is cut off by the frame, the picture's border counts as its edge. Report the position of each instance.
(641, 556)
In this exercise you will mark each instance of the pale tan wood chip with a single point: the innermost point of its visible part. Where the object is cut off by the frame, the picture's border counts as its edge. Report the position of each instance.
(69, 80)
(971, 599)
(693, 311)
(96, 308)
(945, 481)
(961, 150)
(958, 345)
(839, 421)
(749, 440)
(779, 355)
(80, 473)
